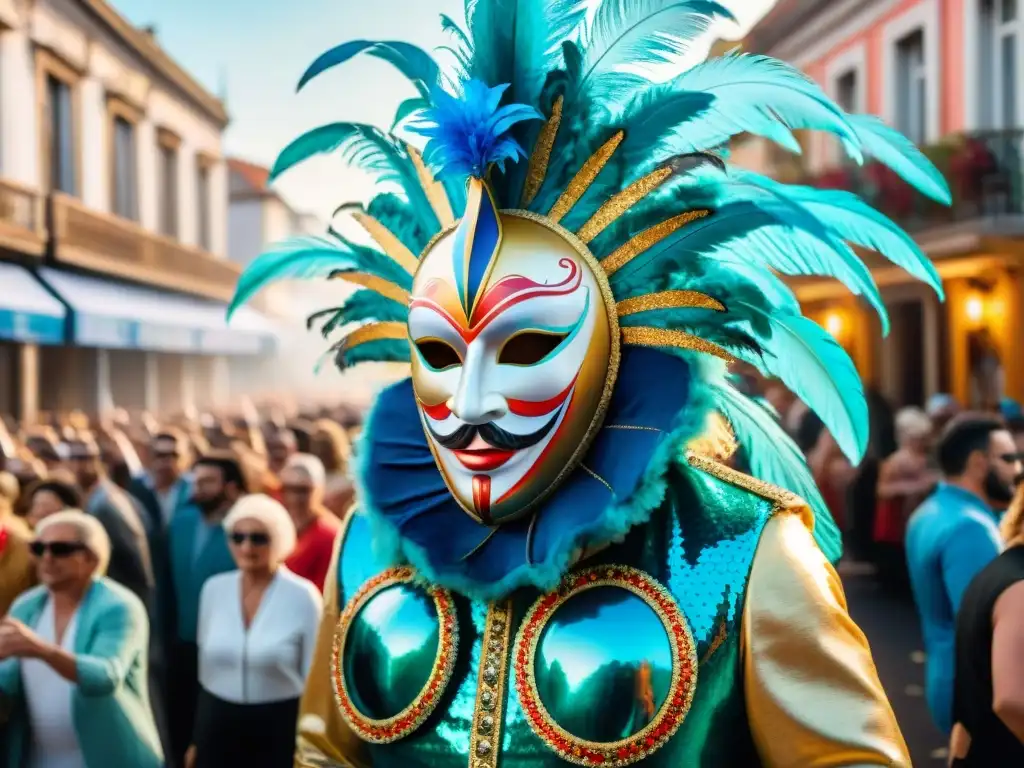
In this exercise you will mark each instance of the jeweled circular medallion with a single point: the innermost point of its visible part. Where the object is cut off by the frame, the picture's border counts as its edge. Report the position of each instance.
(613, 638)
(391, 610)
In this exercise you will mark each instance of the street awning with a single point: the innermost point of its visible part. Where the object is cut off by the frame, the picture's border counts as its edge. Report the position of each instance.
(114, 315)
(28, 311)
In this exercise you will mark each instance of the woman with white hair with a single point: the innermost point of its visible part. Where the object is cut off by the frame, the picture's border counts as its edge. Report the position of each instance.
(904, 480)
(256, 635)
(73, 659)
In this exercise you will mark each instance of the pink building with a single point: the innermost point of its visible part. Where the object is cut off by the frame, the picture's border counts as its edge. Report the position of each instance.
(949, 74)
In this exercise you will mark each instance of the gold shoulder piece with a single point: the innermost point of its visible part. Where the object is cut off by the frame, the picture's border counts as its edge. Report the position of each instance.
(717, 442)
(387, 241)
(782, 499)
(537, 170)
(432, 188)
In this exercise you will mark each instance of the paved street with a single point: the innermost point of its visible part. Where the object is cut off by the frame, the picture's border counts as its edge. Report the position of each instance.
(891, 624)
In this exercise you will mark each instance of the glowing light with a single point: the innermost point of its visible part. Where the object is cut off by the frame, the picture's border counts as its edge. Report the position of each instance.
(834, 324)
(975, 309)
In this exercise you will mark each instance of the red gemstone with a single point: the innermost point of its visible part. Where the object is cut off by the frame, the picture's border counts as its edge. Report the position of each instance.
(649, 742)
(623, 753)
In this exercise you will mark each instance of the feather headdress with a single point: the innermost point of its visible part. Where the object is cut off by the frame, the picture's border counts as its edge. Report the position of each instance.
(691, 247)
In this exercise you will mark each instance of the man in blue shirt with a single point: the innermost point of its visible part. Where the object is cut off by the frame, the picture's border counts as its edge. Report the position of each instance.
(953, 535)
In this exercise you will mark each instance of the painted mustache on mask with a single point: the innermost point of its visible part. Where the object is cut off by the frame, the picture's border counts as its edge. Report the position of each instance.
(493, 435)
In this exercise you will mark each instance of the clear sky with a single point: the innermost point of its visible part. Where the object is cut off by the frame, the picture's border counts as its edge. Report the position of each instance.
(257, 49)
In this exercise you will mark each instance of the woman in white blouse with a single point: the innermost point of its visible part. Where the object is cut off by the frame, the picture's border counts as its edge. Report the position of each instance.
(257, 629)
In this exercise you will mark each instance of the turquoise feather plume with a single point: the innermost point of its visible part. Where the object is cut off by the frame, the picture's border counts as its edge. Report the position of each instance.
(774, 457)
(306, 258)
(413, 62)
(600, 58)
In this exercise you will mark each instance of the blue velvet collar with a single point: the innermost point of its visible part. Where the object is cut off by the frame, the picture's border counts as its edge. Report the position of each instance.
(416, 520)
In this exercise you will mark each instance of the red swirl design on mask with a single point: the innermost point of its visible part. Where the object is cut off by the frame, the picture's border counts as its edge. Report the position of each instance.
(508, 292)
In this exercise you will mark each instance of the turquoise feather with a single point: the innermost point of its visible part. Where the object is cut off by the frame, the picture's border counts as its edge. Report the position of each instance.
(775, 458)
(855, 221)
(305, 258)
(363, 306)
(638, 35)
(379, 351)
(413, 62)
(895, 150)
(816, 369)
(753, 94)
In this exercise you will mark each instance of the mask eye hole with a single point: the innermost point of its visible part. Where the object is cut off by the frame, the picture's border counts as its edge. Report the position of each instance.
(529, 347)
(438, 354)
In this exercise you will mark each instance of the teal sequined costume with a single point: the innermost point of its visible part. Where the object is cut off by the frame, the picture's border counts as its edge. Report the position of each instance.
(544, 567)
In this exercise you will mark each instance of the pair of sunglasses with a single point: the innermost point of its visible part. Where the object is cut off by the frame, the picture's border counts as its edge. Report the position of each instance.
(56, 548)
(256, 539)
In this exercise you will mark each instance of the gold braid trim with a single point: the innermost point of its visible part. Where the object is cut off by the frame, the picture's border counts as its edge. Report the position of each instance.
(663, 337)
(537, 170)
(668, 300)
(387, 241)
(621, 202)
(378, 285)
(646, 240)
(432, 188)
(491, 688)
(585, 177)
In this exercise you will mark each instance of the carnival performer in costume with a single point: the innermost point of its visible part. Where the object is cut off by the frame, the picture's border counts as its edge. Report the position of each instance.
(550, 562)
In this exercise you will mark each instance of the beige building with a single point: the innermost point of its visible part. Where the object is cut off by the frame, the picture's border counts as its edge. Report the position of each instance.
(113, 220)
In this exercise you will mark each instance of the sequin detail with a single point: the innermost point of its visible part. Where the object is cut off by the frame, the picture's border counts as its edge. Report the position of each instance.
(413, 716)
(485, 739)
(681, 689)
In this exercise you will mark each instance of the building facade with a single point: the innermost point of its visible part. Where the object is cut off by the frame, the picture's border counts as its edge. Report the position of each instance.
(113, 220)
(949, 75)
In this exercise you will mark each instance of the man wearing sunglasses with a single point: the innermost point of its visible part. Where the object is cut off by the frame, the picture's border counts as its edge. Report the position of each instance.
(953, 535)
(73, 659)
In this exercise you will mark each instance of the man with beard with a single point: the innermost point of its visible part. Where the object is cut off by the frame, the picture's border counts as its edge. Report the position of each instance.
(197, 550)
(130, 561)
(953, 535)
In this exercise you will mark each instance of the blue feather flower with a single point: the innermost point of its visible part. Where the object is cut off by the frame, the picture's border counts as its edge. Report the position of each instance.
(470, 133)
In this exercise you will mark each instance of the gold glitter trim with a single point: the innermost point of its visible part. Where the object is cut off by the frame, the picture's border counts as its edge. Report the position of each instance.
(669, 717)
(782, 498)
(663, 337)
(433, 189)
(668, 300)
(387, 241)
(597, 477)
(621, 202)
(646, 240)
(489, 712)
(541, 157)
(391, 329)
(421, 707)
(378, 285)
(720, 637)
(632, 426)
(585, 177)
(717, 441)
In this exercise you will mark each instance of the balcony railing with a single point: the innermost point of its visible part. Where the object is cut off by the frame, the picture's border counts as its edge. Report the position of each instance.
(105, 243)
(984, 172)
(21, 219)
